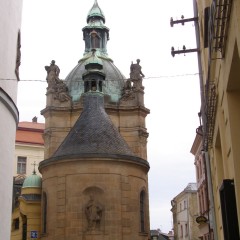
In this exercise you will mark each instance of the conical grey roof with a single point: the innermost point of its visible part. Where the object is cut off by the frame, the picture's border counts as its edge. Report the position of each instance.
(93, 133)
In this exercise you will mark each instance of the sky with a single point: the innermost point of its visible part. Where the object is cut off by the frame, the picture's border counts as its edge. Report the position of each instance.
(52, 30)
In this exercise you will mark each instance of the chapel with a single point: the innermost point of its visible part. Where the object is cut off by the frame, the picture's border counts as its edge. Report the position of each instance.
(94, 176)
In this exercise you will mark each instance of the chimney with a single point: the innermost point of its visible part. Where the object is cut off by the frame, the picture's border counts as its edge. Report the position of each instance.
(34, 119)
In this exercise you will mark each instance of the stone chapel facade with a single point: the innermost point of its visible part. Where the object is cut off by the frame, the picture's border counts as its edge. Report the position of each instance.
(94, 176)
(95, 168)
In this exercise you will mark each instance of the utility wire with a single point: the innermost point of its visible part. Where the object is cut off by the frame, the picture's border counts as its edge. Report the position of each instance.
(166, 76)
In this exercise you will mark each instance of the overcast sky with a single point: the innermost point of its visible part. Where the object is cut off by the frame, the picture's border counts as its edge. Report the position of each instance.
(52, 29)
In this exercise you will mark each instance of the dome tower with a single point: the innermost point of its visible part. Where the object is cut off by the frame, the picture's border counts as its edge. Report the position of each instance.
(123, 98)
(95, 36)
(94, 176)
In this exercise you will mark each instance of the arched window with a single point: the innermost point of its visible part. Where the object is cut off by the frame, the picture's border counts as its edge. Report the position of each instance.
(142, 211)
(44, 213)
(95, 39)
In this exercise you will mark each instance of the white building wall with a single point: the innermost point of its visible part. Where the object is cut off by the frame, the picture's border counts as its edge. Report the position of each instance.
(33, 153)
(10, 22)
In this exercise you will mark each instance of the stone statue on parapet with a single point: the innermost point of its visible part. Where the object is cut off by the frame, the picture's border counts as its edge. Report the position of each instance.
(136, 71)
(56, 86)
(134, 83)
(136, 75)
(52, 74)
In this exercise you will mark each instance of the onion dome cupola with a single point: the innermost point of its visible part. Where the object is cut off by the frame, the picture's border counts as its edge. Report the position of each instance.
(95, 36)
(31, 188)
(32, 181)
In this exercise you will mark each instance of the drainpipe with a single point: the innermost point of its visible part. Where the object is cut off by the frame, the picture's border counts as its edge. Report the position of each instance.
(212, 222)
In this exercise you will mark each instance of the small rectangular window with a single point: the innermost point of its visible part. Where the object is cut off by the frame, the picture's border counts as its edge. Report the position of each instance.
(21, 165)
(185, 204)
(16, 224)
(142, 211)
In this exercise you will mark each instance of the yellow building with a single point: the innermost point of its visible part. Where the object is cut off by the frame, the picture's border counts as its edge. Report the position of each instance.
(219, 23)
(26, 216)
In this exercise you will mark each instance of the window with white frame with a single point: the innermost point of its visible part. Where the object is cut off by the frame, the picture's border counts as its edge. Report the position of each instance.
(21, 165)
(185, 204)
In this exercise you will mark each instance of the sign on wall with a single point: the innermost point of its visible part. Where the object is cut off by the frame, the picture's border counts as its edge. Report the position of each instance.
(34, 234)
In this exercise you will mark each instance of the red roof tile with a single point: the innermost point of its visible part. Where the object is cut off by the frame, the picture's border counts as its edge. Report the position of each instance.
(30, 132)
(32, 125)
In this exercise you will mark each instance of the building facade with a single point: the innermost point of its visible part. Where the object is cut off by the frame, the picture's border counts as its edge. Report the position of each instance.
(10, 24)
(204, 218)
(29, 147)
(26, 215)
(185, 211)
(219, 45)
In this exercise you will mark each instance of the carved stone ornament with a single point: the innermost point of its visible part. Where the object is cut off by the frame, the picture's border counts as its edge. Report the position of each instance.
(127, 91)
(61, 91)
(56, 86)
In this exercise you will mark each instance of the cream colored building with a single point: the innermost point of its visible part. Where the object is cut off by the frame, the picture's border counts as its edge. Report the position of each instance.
(29, 147)
(10, 24)
(219, 23)
(29, 151)
(185, 211)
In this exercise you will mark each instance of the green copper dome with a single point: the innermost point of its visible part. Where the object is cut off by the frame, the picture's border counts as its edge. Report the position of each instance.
(113, 83)
(33, 181)
(95, 11)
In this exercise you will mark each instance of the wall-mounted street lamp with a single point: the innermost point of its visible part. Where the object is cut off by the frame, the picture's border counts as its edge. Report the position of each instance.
(184, 50)
(182, 21)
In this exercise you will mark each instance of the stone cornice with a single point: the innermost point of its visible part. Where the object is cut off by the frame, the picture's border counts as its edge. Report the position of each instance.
(95, 157)
(108, 108)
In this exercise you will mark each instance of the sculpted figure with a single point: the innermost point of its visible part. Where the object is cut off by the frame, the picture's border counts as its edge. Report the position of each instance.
(136, 75)
(93, 211)
(61, 91)
(136, 71)
(52, 73)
